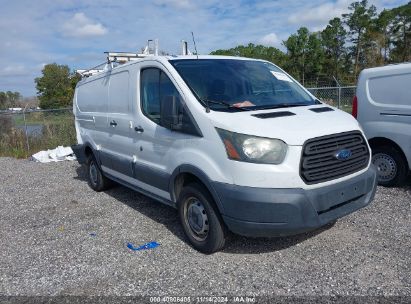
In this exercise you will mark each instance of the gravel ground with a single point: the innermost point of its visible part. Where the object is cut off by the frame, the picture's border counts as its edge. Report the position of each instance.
(58, 237)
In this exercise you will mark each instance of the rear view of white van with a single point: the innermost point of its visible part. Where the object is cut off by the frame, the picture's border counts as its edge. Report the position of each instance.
(383, 108)
(233, 143)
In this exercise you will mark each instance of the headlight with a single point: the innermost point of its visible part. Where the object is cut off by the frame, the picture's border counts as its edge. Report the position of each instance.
(252, 148)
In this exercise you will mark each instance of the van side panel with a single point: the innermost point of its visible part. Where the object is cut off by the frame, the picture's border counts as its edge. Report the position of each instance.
(389, 90)
(92, 95)
(119, 143)
(384, 105)
(119, 94)
(91, 110)
(394, 130)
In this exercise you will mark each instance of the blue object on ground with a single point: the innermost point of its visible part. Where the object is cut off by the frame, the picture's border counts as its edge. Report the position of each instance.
(150, 245)
(93, 234)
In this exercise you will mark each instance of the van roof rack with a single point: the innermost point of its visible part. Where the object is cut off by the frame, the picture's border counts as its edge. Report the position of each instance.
(121, 57)
(86, 73)
(151, 49)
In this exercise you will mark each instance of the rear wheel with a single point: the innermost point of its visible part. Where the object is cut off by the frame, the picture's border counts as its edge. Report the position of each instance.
(391, 166)
(96, 180)
(200, 219)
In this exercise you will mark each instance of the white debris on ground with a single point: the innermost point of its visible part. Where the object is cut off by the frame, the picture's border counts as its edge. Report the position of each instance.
(58, 154)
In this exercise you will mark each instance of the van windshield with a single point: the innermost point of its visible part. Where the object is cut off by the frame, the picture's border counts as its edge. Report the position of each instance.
(232, 84)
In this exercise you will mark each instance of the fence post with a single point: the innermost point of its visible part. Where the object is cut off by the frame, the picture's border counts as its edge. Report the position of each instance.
(25, 129)
(339, 92)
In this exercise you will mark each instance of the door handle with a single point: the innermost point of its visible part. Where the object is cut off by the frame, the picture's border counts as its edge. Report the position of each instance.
(113, 123)
(139, 129)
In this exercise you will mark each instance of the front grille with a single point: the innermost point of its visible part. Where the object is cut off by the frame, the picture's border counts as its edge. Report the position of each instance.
(320, 164)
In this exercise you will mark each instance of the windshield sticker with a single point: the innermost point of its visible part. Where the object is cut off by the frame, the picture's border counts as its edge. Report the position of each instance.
(281, 76)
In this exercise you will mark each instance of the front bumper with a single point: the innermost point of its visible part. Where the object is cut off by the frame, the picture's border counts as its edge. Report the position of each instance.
(279, 212)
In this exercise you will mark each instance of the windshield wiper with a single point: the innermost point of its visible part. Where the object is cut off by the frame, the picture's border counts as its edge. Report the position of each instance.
(228, 105)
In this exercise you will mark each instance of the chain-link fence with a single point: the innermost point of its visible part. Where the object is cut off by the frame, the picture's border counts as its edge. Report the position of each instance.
(340, 97)
(26, 132)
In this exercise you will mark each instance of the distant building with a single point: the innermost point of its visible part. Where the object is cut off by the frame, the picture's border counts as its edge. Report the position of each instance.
(15, 109)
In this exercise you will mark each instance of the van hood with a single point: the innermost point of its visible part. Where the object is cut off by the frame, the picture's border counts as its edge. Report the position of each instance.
(302, 124)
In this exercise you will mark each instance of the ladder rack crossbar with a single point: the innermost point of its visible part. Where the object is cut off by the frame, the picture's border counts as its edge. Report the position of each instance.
(92, 71)
(122, 57)
(117, 58)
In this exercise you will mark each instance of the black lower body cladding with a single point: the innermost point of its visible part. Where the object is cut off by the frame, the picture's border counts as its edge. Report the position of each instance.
(266, 212)
(80, 153)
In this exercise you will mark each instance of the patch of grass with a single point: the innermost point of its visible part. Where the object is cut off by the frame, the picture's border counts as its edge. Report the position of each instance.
(57, 130)
(35, 118)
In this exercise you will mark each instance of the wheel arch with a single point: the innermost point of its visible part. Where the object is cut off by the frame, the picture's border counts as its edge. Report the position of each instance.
(383, 141)
(88, 150)
(83, 152)
(185, 174)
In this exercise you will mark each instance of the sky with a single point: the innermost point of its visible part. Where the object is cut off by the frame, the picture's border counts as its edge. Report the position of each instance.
(76, 33)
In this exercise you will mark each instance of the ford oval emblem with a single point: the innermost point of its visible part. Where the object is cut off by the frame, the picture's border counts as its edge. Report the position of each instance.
(343, 154)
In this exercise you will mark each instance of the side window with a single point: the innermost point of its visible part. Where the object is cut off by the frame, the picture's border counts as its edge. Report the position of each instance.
(150, 93)
(167, 88)
(155, 86)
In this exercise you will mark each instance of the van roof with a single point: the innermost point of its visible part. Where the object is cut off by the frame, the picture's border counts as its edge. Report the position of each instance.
(167, 58)
(388, 68)
(209, 57)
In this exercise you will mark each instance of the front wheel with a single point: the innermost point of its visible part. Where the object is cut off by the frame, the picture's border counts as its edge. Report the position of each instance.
(200, 219)
(391, 166)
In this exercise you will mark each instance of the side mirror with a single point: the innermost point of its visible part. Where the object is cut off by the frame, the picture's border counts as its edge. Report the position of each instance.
(170, 113)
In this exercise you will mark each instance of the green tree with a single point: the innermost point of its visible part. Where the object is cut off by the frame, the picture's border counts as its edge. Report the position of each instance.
(297, 47)
(333, 40)
(357, 40)
(55, 89)
(13, 98)
(10, 99)
(383, 26)
(3, 100)
(359, 20)
(251, 50)
(372, 49)
(315, 56)
(305, 54)
(401, 33)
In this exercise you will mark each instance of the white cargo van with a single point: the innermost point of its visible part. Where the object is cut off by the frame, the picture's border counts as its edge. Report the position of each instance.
(383, 107)
(232, 143)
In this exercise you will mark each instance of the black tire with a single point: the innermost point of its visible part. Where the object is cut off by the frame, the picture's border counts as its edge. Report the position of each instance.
(200, 219)
(95, 178)
(391, 166)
